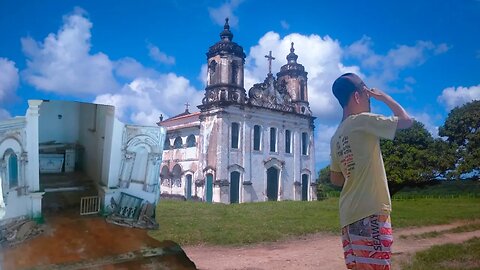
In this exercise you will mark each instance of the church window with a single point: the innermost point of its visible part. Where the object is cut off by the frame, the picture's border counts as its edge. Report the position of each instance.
(176, 176)
(178, 143)
(288, 141)
(166, 145)
(212, 71)
(234, 73)
(191, 141)
(257, 137)
(235, 135)
(273, 139)
(164, 176)
(305, 143)
(12, 170)
(302, 90)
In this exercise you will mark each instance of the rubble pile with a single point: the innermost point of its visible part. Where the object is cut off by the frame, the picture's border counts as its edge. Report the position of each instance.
(17, 231)
(127, 216)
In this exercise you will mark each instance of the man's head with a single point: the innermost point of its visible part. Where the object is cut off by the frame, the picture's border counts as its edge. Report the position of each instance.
(350, 90)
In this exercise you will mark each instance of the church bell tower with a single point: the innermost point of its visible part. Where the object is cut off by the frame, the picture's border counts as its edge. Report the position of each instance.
(294, 76)
(226, 61)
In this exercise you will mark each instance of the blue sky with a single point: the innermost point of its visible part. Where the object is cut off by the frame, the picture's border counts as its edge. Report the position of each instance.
(148, 57)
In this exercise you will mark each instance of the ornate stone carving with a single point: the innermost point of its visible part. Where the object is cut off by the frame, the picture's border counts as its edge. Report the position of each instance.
(271, 94)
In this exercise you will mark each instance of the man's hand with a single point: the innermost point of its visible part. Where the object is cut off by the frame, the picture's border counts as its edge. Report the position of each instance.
(404, 120)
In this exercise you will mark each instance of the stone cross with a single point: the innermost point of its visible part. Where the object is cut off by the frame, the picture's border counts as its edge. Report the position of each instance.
(186, 106)
(270, 58)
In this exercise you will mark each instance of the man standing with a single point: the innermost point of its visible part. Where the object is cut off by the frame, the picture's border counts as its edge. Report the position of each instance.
(357, 165)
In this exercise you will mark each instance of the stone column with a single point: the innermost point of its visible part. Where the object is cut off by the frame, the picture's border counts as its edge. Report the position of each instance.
(33, 175)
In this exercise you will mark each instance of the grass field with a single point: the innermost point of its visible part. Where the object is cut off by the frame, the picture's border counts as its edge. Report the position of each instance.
(190, 223)
(448, 257)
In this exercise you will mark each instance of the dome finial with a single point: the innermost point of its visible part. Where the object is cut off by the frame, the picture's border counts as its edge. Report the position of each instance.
(226, 35)
(292, 57)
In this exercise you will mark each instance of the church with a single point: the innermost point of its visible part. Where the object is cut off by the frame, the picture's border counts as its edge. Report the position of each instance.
(242, 148)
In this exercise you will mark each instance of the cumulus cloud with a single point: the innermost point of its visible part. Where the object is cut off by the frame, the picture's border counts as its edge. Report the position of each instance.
(323, 135)
(144, 99)
(452, 97)
(129, 68)
(428, 120)
(321, 57)
(226, 10)
(4, 114)
(160, 56)
(385, 69)
(62, 63)
(8, 78)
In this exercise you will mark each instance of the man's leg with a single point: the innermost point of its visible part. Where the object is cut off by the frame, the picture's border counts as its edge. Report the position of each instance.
(367, 243)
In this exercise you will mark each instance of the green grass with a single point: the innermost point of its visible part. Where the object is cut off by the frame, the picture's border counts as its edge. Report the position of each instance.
(447, 257)
(460, 229)
(190, 223)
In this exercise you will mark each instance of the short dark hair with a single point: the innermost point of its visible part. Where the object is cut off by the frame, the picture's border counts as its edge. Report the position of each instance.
(345, 85)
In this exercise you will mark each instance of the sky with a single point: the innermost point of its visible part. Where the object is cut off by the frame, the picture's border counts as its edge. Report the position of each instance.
(148, 57)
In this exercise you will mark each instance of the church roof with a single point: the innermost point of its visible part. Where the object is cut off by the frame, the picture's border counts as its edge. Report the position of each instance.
(292, 67)
(179, 119)
(226, 45)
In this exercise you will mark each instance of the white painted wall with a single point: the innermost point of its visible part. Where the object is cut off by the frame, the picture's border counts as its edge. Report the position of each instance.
(58, 121)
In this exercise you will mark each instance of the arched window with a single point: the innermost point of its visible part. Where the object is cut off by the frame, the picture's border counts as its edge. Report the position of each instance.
(212, 71)
(165, 176)
(178, 143)
(177, 175)
(166, 145)
(273, 139)
(305, 143)
(12, 170)
(191, 142)
(234, 73)
(288, 141)
(257, 137)
(302, 90)
(235, 135)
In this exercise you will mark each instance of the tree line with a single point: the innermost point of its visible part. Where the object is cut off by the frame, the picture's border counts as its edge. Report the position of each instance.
(416, 158)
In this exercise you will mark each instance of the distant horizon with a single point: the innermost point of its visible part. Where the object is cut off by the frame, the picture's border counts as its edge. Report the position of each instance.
(148, 58)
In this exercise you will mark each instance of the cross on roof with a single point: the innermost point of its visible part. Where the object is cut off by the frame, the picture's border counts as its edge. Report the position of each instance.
(270, 58)
(186, 106)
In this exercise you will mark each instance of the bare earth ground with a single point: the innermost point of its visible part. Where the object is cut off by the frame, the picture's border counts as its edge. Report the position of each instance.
(317, 251)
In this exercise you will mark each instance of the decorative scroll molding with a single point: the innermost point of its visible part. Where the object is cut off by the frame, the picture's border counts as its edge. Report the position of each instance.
(271, 94)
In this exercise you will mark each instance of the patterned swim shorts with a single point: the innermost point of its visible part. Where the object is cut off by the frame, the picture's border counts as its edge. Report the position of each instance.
(367, 242)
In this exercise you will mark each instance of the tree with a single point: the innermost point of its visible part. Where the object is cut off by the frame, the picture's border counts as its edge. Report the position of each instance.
(462, 129)
(324, 183)
(414, 158)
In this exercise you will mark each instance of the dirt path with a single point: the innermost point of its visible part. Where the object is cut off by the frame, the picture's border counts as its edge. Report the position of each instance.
(318, 251)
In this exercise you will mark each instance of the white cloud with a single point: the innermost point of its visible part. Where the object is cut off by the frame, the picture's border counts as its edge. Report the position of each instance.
(385, 69)
(323, 136)
(144, 99)
(427, 120)
(285, 24)
(4, 114)
(160, 56)
(452, 97)
(226, 10)
(130, 69)
(62, 63)
(8, 78)
(321, 57)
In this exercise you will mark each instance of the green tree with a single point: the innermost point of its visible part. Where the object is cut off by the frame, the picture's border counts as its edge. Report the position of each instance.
(324, 185)
(414, 158)
(462, 129)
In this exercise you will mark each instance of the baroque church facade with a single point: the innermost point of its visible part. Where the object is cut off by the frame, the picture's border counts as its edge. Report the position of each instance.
(238, 147)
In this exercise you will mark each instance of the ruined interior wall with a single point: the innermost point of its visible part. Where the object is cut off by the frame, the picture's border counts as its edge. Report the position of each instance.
(58, 121)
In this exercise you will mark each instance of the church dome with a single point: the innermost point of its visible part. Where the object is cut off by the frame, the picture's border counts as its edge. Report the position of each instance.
(292, 67)
(226, 45)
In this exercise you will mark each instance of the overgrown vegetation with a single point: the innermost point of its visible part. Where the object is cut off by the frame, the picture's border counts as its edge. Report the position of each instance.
(192, 223)
(448, 257)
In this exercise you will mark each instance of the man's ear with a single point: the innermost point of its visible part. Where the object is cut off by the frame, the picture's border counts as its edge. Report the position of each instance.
(356, 97)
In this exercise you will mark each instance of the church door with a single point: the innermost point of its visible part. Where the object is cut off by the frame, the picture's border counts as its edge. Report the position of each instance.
(234, 187)
(304, 187)
(272, 184)
(188, 186)
(209, 188)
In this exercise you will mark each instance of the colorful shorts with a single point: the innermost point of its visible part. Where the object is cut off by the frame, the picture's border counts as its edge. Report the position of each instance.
(367, 242)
